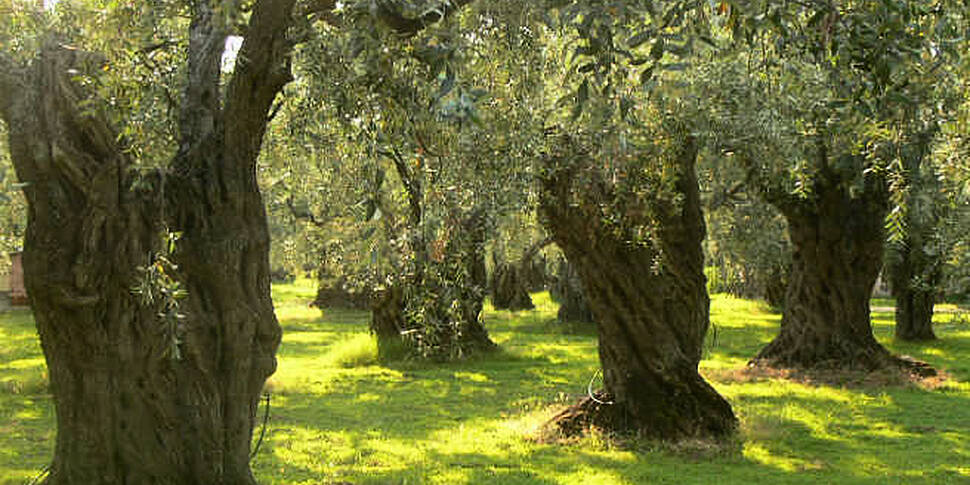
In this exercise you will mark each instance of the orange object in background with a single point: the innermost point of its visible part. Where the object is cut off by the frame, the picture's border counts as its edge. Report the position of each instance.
(18, 293)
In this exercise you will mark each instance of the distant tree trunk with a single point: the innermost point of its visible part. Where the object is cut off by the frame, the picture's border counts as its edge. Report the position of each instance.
(914, 263)
(388, 322)
(651, 318)
(837, 247)
(509, 289)
(338, 293)
(914, 304)
(511, 283)
(471, 247)
(137, 399)
(776, 285)
(568, 292)
(443, 332)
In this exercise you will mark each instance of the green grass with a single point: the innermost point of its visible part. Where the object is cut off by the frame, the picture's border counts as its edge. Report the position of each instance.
(337, 416)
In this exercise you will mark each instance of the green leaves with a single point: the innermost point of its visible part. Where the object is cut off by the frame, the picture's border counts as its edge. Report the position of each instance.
(161, 293)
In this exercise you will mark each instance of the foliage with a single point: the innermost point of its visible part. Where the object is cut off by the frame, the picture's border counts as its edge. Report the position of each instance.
(388, 142)
(839, 90)
(748, 246)
(159, 290)
(13, 207)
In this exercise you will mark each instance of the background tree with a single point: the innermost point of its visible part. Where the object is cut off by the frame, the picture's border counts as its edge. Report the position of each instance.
(567, 290)
(429, 127)
(158, 384)
(13, 207)
(747, 249)
(820, 128)
(620, 197)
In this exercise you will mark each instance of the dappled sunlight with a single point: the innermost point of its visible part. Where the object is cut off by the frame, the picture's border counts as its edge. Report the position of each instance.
(337, 415)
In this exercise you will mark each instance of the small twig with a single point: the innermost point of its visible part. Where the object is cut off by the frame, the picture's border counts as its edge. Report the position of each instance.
(262, 431)
(589, 390)
(40, 476)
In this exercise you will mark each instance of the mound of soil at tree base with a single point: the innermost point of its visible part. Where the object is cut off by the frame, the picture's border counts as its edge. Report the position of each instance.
(338, 296)
(887, 370)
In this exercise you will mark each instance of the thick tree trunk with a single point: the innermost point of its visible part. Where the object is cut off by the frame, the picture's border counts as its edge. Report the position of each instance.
(914, 263)
(914, 299)
(141, 399)
(651, 318)
(471, 248)
(509, 289)
(837, 247)
(775, 287)
(388, 322)
(511, 283)
(568, 292)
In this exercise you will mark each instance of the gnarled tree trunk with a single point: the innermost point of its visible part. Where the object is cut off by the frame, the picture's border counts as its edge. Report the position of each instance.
(837, 247)
(140, 400)
(651, 318)
(914, 301)
(568, 292)
(511, 283)
(509, 289)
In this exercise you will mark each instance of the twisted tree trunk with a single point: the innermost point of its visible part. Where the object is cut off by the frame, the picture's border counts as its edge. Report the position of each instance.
(837, 246)
(568, 292)
(651, 318)
(914, 300)
(141, 400)
(509, 289)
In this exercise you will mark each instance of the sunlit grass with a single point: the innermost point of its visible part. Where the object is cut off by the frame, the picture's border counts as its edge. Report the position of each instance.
(338, 416)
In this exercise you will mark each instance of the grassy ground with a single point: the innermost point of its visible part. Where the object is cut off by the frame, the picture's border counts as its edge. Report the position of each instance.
(339, 417)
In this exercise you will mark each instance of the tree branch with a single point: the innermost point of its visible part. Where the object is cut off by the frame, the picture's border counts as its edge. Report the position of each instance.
(262, 69)
(389, 13)
(201, 115)
(531, 251)
(411, 185)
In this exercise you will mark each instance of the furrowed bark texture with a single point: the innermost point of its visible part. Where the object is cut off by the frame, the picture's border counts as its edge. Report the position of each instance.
(651, 319)
(837, 246)
(915, 263)
(914, 304)
(568, 292)
(128, 412)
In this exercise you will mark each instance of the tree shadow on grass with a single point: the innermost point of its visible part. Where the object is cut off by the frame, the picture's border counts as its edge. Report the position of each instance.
(899, 432)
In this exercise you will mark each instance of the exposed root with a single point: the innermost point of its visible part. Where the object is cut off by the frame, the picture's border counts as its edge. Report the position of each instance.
(591, 411)
(593, 418)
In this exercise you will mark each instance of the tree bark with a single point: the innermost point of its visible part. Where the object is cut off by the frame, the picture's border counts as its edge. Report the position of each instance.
(914, 304)
(775, 287)
(508, 288)
(568, 291)
(914, 264)
(913, 277)
(139, 401)
(651, 318)
(837, 247)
